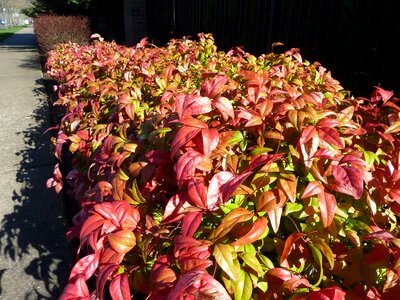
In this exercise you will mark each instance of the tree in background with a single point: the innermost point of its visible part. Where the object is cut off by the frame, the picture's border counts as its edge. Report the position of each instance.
(11, 10)
(58, 7)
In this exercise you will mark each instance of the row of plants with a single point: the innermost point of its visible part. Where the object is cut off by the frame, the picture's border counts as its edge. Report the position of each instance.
(209, 175)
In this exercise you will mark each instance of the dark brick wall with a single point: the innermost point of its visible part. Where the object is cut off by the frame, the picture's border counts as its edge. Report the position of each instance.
(135, 21)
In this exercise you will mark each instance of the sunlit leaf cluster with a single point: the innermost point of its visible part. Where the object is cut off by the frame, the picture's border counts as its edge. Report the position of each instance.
(210, 175)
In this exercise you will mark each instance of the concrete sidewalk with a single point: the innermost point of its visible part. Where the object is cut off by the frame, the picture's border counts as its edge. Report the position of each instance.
(34, 257)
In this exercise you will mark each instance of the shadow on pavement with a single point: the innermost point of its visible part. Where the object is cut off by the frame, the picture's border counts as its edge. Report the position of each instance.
(32, 230)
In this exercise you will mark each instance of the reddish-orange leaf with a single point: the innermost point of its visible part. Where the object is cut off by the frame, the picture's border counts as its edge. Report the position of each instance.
(257, 230)
(289, 243)
(122, 241)
(287, 183)
(327, 207)
(312, 189)
(237, 215)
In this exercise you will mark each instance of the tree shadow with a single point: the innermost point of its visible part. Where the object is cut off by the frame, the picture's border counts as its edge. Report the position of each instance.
(35, 229)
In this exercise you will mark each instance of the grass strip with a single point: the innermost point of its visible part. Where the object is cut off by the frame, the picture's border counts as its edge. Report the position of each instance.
(6, 32)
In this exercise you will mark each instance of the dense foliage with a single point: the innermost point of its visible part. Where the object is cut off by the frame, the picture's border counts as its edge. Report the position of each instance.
(51, 30)
(211, 175)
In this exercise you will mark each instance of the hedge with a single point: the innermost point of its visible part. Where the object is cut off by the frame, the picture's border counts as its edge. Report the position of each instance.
(210, 175)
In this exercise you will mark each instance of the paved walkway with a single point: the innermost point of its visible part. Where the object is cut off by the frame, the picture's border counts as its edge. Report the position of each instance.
(34, 256)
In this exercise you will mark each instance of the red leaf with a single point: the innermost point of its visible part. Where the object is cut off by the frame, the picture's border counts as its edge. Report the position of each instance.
(189, 121)
(185, 242)
(379, 254)
(289, 244)
(381, 94)
(187, 164)
(325, 154)
(231, 186)
(119, 287)
(102, 278)
(352, 159)
(127, 215)
(187, 264)
(106, 211)
(279, 275)
(328, 122)
(225, 107)
(199, 283)
(122, 241)
(331, 293)
(197, 192)
(257, 230)
(331, 136)
(213, 87)
(221, 186)
(182, 136)
(83, 134)
(379, 235)
(309, 142)
(327, 206)
(192, 105)
(214, 194)
(190, 223)
(307, 134)
(162, 277)
(91, 225)
(76, 290)
(210, 139)
(85, 267)
(175, 208)
(262, 159)
(313, 188)
(349, 179)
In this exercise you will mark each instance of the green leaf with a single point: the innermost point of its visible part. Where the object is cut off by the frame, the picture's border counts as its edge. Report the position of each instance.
(122, 175)
(235, 139)
(244, 287)
(259, 150)
(163, 130)
(137, 197)
(263, 286)
(225, 256)
(266, 261)
(243, 145)
(292, 208)
(251, 260)
(317, 255)
(370, 158)
(325, 249)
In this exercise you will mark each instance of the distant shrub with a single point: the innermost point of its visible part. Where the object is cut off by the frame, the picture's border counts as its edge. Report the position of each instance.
(51, 30)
